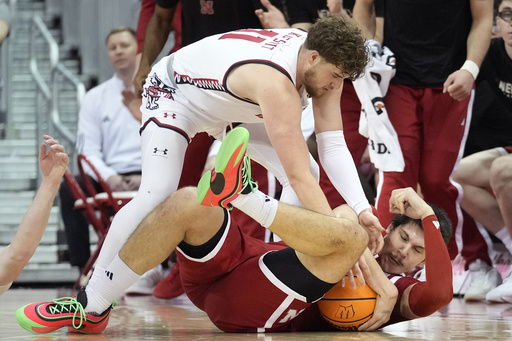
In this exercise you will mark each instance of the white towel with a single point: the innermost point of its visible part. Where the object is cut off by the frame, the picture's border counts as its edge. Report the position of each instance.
(384, 148)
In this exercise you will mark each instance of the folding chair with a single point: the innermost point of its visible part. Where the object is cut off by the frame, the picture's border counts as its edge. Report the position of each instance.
(107, 202)
(88, 207)
(99, 209)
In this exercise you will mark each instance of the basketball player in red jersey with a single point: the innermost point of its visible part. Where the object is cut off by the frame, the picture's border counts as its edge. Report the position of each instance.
(242, 283)
(417, 236)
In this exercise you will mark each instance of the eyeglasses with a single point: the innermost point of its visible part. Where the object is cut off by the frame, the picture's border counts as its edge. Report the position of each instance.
(505, 15)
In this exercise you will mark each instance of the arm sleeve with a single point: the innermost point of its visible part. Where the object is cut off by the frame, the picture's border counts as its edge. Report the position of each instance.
(429, 296)
(340, 168)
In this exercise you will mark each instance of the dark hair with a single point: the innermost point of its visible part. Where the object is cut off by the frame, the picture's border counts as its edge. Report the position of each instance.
(444, 222)
(340, 42)
(119, 30)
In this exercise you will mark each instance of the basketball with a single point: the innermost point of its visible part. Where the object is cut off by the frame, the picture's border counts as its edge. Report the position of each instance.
(347, 308)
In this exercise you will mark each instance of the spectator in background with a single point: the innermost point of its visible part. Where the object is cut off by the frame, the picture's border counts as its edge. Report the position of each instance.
(485, 170)
(108, 136)
(492, 112)
(16, 255)
(486, 178)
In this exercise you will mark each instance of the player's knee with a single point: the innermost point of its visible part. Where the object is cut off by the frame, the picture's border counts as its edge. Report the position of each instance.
(354, 238)
(181, 199)
(362, 237)
(500, 173)
(460, 176)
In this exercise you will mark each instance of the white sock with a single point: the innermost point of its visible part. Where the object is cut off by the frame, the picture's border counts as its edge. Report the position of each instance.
(258, 206)
(504, 236)
(108, 284)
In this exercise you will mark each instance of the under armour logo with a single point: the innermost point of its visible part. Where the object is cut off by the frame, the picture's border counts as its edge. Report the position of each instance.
(163, 151)
(166, 115)
(109, 274)
(267, 199)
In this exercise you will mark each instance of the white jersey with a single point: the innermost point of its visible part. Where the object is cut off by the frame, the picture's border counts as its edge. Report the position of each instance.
(200, 70)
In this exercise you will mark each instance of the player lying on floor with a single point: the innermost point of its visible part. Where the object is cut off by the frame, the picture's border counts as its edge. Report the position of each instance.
(417, 236)
(243, 284)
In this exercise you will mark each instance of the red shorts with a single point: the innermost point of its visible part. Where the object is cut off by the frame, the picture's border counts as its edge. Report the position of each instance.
(508, 149)
(235, 286)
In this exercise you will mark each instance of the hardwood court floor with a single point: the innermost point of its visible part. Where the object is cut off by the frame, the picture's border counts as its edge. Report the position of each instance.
(146, 318)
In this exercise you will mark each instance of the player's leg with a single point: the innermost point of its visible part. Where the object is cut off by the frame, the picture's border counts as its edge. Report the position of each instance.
(327, 246)
(178, 218)
(501, 183)
(473, 175)
(160, 176)
(261, 151)
(163, 149)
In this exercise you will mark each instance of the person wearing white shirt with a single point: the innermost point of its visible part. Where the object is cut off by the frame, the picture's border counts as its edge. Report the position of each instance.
(108, 135)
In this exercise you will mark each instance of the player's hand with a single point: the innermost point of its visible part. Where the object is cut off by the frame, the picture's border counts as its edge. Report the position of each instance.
(132, 182)
(459, 84)
(335, 6)
(407, 201)
(140, 79)
(374, 229)
(383, 308)
(133, 103)
(54, 163)
(116, 183)
(359, 270)
(272, 17)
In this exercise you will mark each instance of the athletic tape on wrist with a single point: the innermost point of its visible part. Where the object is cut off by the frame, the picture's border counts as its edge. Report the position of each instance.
(471, 67)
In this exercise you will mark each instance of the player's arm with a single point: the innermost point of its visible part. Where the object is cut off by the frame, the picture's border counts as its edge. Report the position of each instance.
(424, 298)
(364, 14)
(281, 108)
(387, 293)
(370, 273)
(15, 256)
(271, 17)
(157, 32)
(460, 82)
(339, 165)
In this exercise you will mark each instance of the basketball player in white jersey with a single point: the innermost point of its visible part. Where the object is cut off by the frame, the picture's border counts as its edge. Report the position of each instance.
(261, 78)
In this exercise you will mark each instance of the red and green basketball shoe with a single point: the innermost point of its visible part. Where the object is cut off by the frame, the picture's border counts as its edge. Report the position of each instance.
(46, 317)
(231, 175)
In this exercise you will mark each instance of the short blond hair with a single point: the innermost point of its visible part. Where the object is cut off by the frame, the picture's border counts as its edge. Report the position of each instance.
(119, 30)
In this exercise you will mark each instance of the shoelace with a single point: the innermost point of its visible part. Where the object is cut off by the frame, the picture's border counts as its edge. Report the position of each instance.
(68, 304)
(246, 175)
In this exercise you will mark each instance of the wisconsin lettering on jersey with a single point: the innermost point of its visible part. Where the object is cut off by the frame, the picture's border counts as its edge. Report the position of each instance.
(202, 83)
